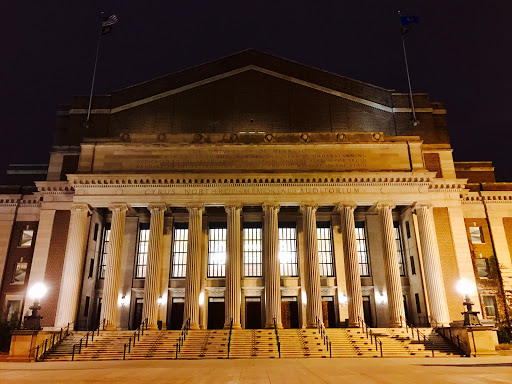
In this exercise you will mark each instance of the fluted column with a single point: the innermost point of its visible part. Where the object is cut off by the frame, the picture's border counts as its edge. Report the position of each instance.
(352, 273)
(73, 265)
(193, 276)
(272, 266)
(113, 266)
(391, 267)
(233, 291)
(312, 266)
(154, 265)
(432, 264)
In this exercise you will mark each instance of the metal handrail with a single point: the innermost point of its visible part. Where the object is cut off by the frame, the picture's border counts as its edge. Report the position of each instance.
(136, 336)
(418, 333)
(441, 330)
(371, 335)
(277, 338)
(323, 334)
(229, 339)
(86, 337)
(183, 336)
(50, 342)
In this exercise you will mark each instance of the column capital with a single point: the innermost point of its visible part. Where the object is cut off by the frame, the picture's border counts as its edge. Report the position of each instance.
(118, 207)
(81, 207)
(417, 206)
(303, 207)
(340, 207)
(157, 207)
(381, 206)
(198, 207)
(233, 207)
(271, 206)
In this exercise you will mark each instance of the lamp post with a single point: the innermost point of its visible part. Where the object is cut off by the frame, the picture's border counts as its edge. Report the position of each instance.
(33, 321)
(470, 317)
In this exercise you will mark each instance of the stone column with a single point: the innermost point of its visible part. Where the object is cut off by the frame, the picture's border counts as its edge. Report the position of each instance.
(73, 265)
(432, 264)
(312, 266)
(193, 273)
(233, 291)
(391, 267)
(154, 265)
(272, 266)
(352, 273)
(113, 266)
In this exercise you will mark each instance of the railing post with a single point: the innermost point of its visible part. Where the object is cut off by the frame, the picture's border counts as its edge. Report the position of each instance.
(73, 354)
(37, 353)
(177, 351)
(87, 339)
(60, 334)
(80, 347)
(330, 349)
(380, 348)
(124, 352)
(130, 345)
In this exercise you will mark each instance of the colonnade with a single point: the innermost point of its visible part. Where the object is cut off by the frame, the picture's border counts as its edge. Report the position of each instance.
(75, 252)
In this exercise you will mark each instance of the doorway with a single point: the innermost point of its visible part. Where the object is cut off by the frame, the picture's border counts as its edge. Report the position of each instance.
(329, 316)
(216, 312)
(137, 314)
(252, 313)
(367, 311)
(177, 310)
(290, 312)
(98, 313)
(406, 310)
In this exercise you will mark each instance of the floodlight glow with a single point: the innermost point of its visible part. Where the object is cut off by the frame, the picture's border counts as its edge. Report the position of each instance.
(343, 299)
(201, 298)
(464, 287)
(304, 297)
(160, 301)
(37, 291)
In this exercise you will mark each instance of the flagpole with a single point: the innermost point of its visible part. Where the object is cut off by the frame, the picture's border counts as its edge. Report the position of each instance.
(415, 121)
(87, 122)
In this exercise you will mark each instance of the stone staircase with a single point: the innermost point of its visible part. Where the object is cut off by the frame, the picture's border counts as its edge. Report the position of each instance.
(254, 343)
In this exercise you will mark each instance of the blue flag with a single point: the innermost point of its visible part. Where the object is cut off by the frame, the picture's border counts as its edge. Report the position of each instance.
(407, 21)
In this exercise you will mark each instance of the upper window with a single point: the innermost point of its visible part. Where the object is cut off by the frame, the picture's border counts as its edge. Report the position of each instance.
(253, 250)
(399, 248)
(142, 251)
(104, 250)
(20, 273)
(489, 306)
(217, 250)
(26, 238)
(476, 235)
(482, 266)
(179, 250)
(325, 258)
(288, 249)
(362, 250)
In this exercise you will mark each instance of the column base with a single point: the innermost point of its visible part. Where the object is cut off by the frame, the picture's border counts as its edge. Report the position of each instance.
(194, 326)
(235, 326)
(354, 324)
(395, 325)
(312, 325)
(110, 327)
(271, 326)
(152, 327)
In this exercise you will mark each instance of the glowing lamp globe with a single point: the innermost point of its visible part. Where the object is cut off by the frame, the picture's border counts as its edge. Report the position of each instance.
(464, 287)
(37, 291)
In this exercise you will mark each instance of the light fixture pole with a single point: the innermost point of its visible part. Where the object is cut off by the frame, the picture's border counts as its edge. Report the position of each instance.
(470, 317)
(33, 321)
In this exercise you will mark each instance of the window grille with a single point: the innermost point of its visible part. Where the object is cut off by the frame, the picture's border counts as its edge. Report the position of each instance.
(217, 250)
(362, 250)
(142, 251)
(253, 250)
(399, 248)
(324, 235)
(179, 250)
(288, 249)
(104, 250)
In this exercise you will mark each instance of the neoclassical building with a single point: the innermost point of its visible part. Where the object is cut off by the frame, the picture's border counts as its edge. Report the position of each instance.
(255, 190)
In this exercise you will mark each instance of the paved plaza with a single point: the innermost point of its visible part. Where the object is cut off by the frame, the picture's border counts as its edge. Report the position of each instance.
(311, 371)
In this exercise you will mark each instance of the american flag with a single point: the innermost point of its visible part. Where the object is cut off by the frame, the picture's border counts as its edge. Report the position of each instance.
(108, 21)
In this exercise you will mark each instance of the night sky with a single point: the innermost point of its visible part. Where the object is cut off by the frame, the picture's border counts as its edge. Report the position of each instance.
(460, 53)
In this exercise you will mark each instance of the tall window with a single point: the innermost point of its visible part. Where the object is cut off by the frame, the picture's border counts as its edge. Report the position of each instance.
(179, 250)
(253, 250)
(323, 229)
(288, 249)
(362, 250)
(217, 250)
(104, 250)
(142, 251)
(489, 306)
(399, 248)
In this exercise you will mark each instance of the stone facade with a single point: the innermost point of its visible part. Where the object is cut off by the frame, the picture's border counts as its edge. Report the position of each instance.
(256, 191)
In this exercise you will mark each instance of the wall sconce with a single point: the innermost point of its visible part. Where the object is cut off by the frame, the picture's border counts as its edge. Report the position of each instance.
(160, 301)
(342, 298)
(380, 298)
(201, 298)
(123, 301)
(304, 297)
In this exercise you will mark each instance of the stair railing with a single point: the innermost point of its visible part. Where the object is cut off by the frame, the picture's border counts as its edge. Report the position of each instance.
(420, 335)
(50, 342)
(371, 335)
(78, 345)
(229, 339)
(446, 333)
(183, 336)
(278, 342)
(136, 336)
(321, 330)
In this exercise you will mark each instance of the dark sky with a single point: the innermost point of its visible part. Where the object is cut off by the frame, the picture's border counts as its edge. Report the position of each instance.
(460, 53)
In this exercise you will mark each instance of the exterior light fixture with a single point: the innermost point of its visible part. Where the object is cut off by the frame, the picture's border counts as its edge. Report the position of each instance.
(160, 301)
(123, 301)
(201, 298)
(465, 288)
(304, 297)
(37, 292)
(381, 298)
(342, 298)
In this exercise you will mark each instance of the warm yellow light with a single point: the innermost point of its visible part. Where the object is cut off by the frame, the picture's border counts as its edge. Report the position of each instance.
(37, 291)
(465, 287)
(201, 298)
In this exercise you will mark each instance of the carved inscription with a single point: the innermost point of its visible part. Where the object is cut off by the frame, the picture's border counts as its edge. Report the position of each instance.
(254, 191)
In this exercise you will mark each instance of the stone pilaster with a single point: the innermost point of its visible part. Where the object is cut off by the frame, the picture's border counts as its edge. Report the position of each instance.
(272, 266)
(154, 265)
(432, 264)
(193, 277)
(113, 266)
(392, 268)
(73, 265)
(312, 266)
(353, 275)
(233, 291)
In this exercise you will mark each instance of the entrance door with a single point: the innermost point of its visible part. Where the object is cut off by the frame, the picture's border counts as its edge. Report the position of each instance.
(215, 313)
(252, 313)
(98, 314)
(290, 312)
(329, 315)
(367, 310)
(137, 314)
(177, 309)
(406, 309)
